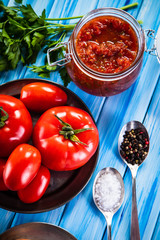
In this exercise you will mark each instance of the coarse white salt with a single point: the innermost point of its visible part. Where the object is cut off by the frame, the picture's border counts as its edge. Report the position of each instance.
(107, 191)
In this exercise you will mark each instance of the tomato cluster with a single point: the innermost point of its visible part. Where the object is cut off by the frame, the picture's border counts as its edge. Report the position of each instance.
(64, 138)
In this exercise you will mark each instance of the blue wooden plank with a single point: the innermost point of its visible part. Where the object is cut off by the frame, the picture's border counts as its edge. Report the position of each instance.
(52, 217)
(151, 171)
(6, 219)
(6, 2)
(156, 232)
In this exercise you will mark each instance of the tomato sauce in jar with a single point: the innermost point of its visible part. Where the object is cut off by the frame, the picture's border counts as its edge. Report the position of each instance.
(104, 54)
(107, 44)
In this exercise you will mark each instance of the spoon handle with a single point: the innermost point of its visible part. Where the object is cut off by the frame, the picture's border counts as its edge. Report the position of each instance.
(135, 234)
(109, 221)
(109, 231)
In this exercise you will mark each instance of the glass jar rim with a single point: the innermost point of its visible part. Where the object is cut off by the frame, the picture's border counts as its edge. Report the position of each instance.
(109, 11)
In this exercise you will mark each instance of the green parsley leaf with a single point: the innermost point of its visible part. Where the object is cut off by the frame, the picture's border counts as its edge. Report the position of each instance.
(18, 1)
(3, 64)
(64, 75)
(37, 39)
(17, 24)
(14, 54)
(27, 39)
(7, 10)
(28, 13)
(43, 71)
(43, 16)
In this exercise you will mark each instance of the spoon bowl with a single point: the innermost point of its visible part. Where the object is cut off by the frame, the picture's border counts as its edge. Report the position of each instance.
(111, 208)
(127, 127)
(135, 234)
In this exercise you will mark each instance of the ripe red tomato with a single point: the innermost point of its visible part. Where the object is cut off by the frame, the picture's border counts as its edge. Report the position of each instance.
(2, 185)
(36, 189)
(21, 167)
(40, 96)
(61, 146)
(15, 124)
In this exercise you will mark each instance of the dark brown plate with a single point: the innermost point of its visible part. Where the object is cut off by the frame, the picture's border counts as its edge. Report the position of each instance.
(36, 231)
(63, 185)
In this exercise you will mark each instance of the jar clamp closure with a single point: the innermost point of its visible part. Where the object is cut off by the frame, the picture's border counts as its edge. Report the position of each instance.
(155, 50)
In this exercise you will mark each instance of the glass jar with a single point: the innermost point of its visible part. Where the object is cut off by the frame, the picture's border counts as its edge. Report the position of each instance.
(98, 83)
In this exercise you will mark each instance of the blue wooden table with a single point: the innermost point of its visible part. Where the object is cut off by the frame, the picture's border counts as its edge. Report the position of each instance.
(140, 102)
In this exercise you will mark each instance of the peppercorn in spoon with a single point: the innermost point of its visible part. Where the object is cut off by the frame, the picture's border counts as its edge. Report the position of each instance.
(133, 147)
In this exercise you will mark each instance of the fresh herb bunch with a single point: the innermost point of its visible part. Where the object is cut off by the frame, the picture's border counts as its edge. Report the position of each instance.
(23, 34)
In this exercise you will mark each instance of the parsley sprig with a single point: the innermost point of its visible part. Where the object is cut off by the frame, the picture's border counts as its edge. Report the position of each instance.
(23, 34)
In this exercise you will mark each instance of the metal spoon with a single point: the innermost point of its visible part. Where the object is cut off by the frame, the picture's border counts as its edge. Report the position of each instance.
(108, 214)
(135, 234)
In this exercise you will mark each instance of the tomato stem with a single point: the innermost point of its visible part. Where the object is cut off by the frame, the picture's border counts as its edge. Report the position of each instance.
(3, 118)
(81, 130)
(74, 138)
(62, 122)
(69, 133)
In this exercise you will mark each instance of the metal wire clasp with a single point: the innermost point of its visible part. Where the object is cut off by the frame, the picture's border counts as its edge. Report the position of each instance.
(151, 34)
(63, 61)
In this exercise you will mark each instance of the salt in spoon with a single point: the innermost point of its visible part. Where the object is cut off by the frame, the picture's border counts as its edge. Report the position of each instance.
(108, 194)
(135, 234)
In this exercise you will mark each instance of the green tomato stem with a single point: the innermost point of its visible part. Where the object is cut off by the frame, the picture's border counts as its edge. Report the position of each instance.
(62, 122)
(74, 138)
(81, 130)
(3, 118)
(69, 133)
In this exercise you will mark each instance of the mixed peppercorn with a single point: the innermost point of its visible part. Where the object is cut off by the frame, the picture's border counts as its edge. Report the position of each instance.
(135, 146)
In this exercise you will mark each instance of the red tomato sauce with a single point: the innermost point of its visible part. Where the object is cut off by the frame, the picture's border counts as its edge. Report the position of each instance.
(107, 44)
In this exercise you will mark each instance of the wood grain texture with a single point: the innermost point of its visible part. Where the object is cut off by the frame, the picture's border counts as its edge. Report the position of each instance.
(140, 102)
